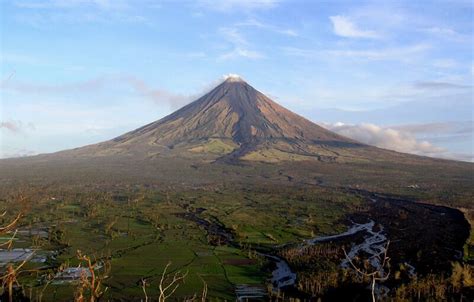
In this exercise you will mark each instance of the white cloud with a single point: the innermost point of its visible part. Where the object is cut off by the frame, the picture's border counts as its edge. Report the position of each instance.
(232, 5)
(99, 84)
(437, 85)
(301, 52)
(232, 76)
(69, 4)
(232, 35)
(257, 24)
(441, 31)
(446, 33)
(439, 128)
(240, 46)
(401, 138)
(8, 152)
(399, 53)
(344, 27)
(403, 53)
(10, 125)
(47, 13)
(15, 126)
(386, 138)
(158, 96)
(240, 53)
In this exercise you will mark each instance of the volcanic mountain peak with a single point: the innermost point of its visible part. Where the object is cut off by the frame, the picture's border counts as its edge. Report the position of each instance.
(234, 120)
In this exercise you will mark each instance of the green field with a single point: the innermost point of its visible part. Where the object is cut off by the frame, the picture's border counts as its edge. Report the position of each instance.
(139, 233)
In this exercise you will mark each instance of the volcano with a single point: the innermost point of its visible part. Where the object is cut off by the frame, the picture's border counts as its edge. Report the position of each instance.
(231, 123)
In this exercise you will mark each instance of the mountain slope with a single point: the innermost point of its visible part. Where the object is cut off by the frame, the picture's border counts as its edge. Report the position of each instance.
(233, 110)
(233, 121)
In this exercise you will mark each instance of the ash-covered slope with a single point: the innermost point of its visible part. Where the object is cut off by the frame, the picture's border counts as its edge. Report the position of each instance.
(233, 110)
(233, 121)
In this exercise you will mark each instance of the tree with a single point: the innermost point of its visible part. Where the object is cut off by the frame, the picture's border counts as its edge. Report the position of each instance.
(168, 287)
(10, 277)
(376, 275)
(89, 280)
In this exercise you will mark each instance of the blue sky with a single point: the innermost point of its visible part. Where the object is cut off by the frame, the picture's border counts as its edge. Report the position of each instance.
(396, 74)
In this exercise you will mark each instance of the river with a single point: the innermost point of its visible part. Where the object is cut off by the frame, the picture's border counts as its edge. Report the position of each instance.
(374, 245)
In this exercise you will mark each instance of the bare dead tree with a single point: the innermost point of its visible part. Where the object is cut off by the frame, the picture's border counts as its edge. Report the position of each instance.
(168, 287)
(203, 296)
(11, 224)
(9, 279)
(89, 280)
(375, 275)
(144, 285)
(204, 291)
(167, 290)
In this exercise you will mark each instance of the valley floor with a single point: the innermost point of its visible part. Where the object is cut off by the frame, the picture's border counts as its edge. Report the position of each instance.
(232, 241)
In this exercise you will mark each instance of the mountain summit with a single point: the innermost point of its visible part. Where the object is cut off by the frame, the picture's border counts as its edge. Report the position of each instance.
(233, 121)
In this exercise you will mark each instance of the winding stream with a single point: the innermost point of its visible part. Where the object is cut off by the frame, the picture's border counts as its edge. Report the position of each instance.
(373, 245)
(282, 276)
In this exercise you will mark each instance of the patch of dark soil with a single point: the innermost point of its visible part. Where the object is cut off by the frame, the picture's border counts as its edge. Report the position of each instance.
(428, 237)
(240, 261)
(217, 233)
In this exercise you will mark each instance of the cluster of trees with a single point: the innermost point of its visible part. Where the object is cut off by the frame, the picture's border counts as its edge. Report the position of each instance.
(319, 275)
(458, 286)
(311, 255)
(455, 287)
